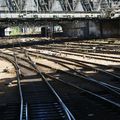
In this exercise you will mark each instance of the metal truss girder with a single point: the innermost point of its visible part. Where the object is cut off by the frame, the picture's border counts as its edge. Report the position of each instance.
(59, 5)
(42, 5)
(12, 5)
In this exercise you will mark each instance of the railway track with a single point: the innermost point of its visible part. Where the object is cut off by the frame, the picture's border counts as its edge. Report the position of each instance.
(112, 78)
(10, 102)
(56, 84)
(115, 77)
(86, 47)
(89, 56)
(44, 103)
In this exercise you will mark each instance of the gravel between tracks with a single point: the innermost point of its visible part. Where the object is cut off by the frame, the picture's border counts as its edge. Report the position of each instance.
(6, 69)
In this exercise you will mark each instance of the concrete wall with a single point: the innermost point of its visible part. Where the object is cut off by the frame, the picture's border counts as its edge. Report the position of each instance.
(86, 29)
(92, 28)
(75, 28)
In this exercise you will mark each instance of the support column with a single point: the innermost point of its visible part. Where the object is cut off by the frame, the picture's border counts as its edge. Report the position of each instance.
(87, 29)
(118, 31)
(101, 29)
(44, 32)
(117, 27)
(94, 29)
(2, 32)
(67, 29)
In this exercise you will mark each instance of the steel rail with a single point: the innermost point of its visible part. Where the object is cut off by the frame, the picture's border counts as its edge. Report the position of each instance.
(83, 63)
(81, 74)
(108, 100)
(101, 97)
(108, 86)
(19, 84)
(20, 64)
(77, 62)
(95, 95)
(20, 88)
(66, 110)
(26, 111)
(86, 91)
(89, 55)
(102, 84)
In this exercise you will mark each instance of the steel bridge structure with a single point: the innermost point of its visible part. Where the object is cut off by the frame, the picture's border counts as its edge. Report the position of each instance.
(57, 8)
(57, 5)
(87, 15)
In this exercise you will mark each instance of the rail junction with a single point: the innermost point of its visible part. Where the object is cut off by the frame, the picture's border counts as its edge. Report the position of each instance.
(75, 76)
(63, 81)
